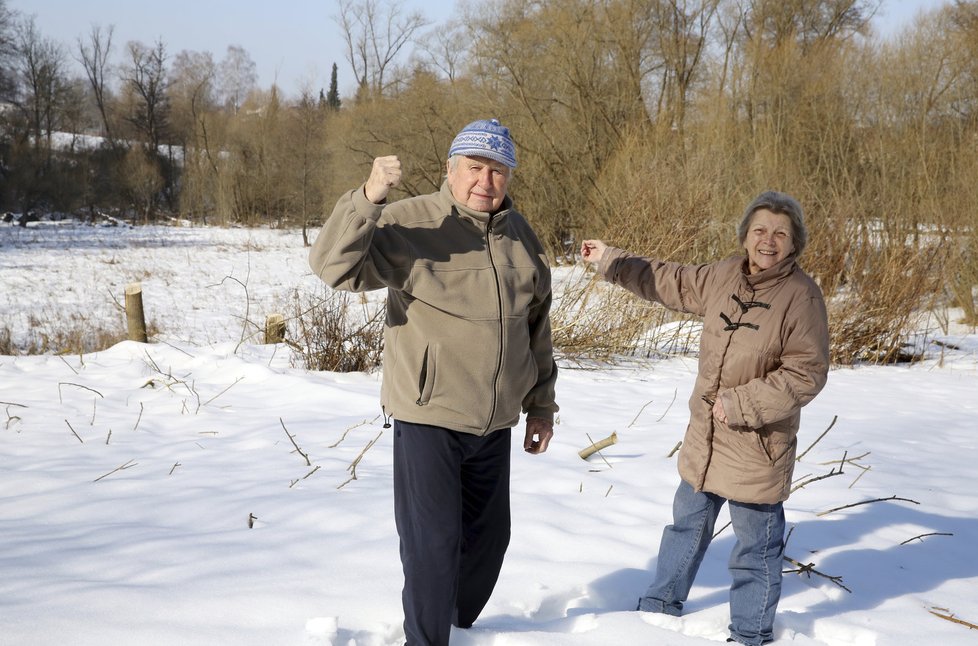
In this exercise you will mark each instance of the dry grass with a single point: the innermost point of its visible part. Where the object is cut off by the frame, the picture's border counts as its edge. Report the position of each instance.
(339, 332)
(78, 337)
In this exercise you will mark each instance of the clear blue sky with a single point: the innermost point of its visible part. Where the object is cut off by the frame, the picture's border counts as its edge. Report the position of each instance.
(293, 42)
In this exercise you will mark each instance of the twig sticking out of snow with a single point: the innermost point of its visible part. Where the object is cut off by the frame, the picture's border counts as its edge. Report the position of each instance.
(353, 465)
(818, 439)
(127, 465)
(292, 439)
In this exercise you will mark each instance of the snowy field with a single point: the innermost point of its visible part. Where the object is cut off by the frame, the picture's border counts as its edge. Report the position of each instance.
(152, 494)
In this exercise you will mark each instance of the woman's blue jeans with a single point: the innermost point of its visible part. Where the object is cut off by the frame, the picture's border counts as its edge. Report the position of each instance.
(755, 562)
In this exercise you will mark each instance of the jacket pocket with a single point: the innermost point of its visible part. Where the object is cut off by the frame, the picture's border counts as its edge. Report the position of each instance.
(764, 447)
(426, 378)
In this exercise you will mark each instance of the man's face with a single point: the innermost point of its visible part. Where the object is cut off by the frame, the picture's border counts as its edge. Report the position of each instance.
(478, 182)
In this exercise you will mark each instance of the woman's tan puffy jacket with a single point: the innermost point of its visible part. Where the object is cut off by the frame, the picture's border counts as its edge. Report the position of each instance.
(764, 351)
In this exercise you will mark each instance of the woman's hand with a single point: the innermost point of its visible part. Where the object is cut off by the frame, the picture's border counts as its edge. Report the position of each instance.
(593, 250)
(718, 413)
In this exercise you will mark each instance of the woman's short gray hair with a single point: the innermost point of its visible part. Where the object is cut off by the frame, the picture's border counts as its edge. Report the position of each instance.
(782, 203)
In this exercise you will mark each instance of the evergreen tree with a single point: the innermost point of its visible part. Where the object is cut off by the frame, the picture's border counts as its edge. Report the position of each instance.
(333, 98)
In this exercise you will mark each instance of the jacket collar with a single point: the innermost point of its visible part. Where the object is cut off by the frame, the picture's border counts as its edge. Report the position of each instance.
(479, 217)
(771, 275)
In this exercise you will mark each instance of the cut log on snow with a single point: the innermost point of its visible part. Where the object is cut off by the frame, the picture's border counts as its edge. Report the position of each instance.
(587, 452)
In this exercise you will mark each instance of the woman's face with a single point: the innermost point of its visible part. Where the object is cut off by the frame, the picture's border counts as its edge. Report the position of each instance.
(478, 183)
(768, 240)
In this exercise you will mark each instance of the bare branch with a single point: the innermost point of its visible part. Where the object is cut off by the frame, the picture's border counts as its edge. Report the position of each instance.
(809, 568)
(353, 465)
(638, 413)
(865, 502)
(831, 473)
(73, 431)
(140, 416)
(925, 535)
(343, 437)
(717, 533)
(818, 439)
(944, 613)
(127, 465)
(68, 383)
(295, 482)
(236, 381)
(675, 448)
(674, 393)
(292, 439)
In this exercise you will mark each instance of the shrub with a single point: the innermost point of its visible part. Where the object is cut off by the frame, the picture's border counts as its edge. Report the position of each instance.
(331, 334)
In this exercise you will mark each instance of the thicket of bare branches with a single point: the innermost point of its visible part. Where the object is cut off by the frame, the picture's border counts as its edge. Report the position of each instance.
(649, 124)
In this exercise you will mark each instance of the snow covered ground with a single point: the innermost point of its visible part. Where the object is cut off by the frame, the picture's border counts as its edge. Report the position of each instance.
(151, 494)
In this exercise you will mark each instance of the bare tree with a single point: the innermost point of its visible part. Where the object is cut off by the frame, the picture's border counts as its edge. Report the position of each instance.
(683, 26)
(143, 182)
(40, 66)
(197, 124)
(805, 21)
(145, 79)
(444, 49)
(6, 51)
(375, 36)
(192, 93)
(238, 76)
(304, 159)
(43, 98)
(94, 58)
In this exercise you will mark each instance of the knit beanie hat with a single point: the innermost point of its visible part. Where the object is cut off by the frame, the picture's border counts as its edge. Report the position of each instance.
(485, 138)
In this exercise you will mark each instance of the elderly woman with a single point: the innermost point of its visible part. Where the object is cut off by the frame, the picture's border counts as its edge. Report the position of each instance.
(764, 353)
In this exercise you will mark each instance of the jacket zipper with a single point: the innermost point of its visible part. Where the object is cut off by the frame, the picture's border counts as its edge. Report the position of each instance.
(499, 306)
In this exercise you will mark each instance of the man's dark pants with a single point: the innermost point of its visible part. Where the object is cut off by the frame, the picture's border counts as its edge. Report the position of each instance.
(451, 508)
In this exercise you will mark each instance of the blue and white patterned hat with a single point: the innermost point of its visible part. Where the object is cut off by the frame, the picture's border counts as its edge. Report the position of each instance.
(485, 138)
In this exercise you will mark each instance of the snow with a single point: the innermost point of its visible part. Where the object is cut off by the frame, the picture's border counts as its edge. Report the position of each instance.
(151, 494)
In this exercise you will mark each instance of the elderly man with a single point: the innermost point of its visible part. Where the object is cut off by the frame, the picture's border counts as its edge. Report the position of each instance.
(467, 349)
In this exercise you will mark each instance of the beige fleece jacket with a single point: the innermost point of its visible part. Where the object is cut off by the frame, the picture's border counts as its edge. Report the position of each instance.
(467, 343)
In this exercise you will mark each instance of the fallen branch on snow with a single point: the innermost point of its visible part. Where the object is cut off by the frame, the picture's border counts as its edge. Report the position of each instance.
(830, 474)
(809, 568)
(925, 535)
(944, 613)
(865, 502)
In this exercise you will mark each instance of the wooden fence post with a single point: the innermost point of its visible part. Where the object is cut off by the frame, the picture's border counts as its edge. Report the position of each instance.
(135, 319)
(274, 328)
